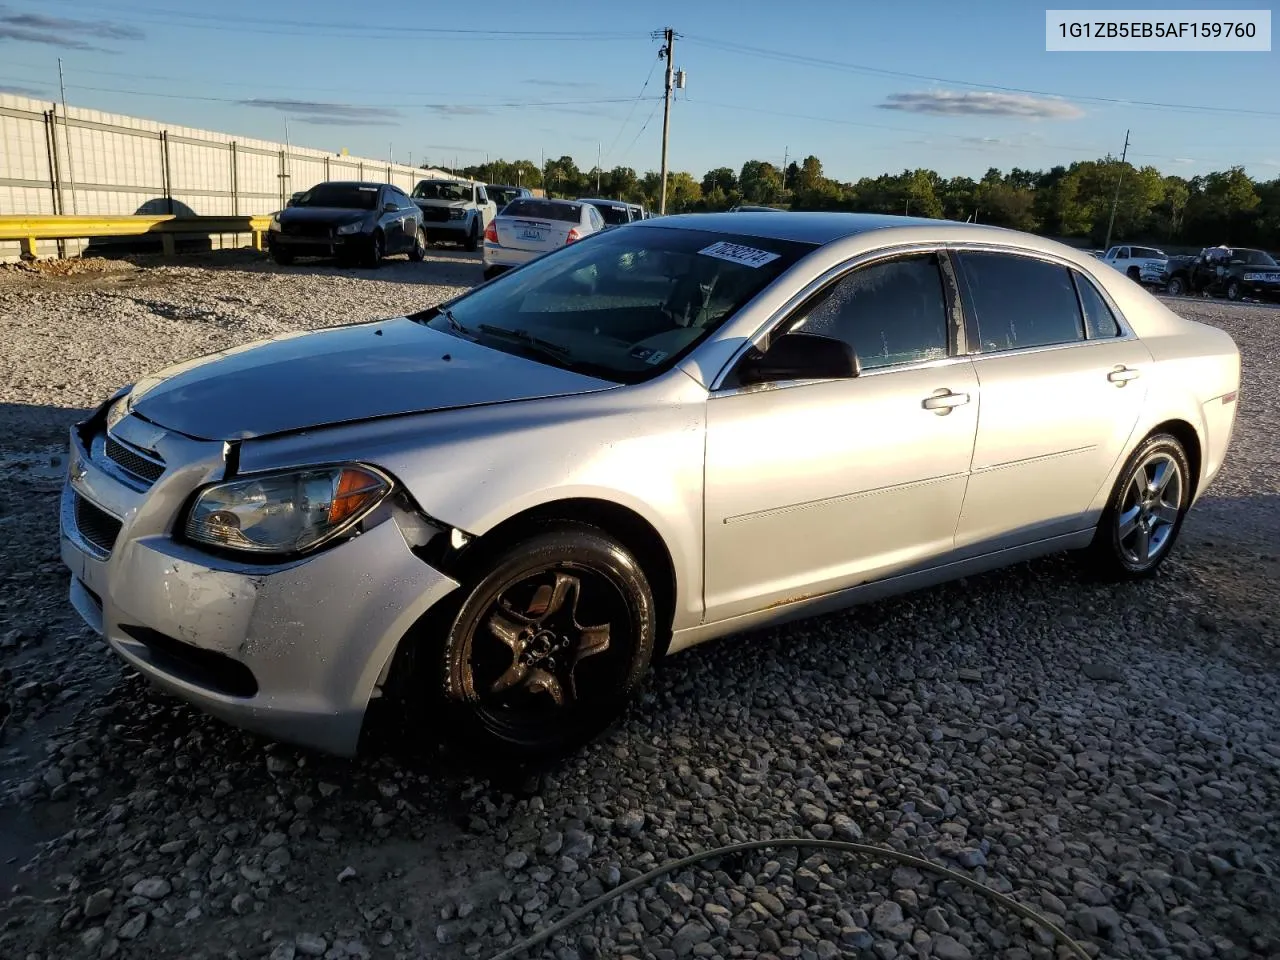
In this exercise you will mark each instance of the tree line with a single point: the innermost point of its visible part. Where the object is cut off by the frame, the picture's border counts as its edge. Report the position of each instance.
(1071, 202)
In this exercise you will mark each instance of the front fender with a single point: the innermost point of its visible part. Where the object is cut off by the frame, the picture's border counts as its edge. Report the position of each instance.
(640, 447)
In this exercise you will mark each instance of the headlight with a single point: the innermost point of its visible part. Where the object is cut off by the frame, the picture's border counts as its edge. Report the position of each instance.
(286, 513)
(275, 223)
(118, 410)
(457, 213)
(349, 228)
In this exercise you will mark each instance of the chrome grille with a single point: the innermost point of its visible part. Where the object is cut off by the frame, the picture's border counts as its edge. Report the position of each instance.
(147, 468)
(96, 526)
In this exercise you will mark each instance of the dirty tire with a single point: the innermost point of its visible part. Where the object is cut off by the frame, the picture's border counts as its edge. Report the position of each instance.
(282, 257)
(419, 251)
(1177, 287)
(549, 645)
(373, 254)
(1122, 551)
(473, 238)
(1234, 290)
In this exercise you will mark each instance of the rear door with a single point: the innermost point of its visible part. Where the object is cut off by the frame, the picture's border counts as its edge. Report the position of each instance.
(536, 226)
(1062, 388)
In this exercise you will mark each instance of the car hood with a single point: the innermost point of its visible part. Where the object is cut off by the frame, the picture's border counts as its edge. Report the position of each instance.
(426, 202)
(336, 215)
(343, 374)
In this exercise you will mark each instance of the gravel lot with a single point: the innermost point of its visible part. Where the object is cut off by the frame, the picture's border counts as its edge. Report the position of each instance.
(1106, 755)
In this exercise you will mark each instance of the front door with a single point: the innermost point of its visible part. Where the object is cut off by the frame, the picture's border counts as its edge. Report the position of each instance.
(815, 486)
(1062, 389)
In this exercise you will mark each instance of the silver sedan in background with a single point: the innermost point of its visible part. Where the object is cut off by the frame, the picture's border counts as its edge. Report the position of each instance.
(498, 512)
(528, 227)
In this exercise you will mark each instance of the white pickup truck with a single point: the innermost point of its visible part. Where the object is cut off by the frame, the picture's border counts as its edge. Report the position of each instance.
(1139, 264)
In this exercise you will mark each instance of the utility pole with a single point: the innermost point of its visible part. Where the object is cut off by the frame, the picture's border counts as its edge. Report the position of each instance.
(669, 38)
(598, 159)
(66, 132)
(1116, 201)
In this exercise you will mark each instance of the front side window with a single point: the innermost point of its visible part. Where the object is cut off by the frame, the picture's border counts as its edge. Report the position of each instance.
(891, 312)
(1099, 321)
(1020, 301)
(622, 305)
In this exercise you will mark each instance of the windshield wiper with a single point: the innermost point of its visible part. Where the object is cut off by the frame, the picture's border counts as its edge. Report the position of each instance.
(454, 325)
(555, 352)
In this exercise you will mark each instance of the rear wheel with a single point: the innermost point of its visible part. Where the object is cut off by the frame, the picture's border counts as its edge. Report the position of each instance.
(1177, 286)
(419, 251)
(1234, 290)
(473, 237)
(1144, 515)
(1134, 274)
(549, 646)
(491, 272)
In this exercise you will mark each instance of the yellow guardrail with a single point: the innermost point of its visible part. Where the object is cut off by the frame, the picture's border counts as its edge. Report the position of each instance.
(29, 229)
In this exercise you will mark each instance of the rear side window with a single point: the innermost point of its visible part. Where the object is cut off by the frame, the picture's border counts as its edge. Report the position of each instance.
(1099, 321)
(544, 210)
(1021, 302)
(890, 312)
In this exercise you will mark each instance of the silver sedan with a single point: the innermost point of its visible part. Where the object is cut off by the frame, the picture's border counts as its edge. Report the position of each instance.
(496, 514)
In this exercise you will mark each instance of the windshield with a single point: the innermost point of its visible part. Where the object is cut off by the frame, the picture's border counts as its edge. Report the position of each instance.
(1254, 258)
(543, 210)
(622, 305)
(613, 214)
(502, 195)
(348, 196)
(442, 190)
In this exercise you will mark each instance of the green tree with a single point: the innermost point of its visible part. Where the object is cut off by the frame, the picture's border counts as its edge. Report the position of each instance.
(722, 178)
(760, 182)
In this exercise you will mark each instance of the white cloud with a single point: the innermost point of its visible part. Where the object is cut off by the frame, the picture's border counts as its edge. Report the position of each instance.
(950, 103)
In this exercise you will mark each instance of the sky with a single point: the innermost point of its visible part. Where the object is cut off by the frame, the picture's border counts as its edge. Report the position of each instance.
(867, 87)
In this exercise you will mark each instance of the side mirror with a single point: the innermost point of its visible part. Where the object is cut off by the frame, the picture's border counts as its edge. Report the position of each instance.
(389, 207)
(800, 356)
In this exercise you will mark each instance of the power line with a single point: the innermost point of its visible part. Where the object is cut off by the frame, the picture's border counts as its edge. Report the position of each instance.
(805, 60)
(329, 28)
(617, 136)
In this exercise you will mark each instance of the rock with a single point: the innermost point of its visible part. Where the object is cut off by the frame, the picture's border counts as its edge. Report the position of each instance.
(946, 947)
(92, 938)
(845, 828)
(770, 903)
(1103, 672)
(241, 904)
(132, 927)
(283, 951)
(811, 813)
(98, 903)
(688, 936)
(310, 944)
(936, 920)
(153, 888)
(631, 823)
(515, 860)
(886, 916)
(347, 873)
(971, 857)
(578, 844)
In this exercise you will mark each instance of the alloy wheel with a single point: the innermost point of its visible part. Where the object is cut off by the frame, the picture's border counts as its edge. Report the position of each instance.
(1149, 509)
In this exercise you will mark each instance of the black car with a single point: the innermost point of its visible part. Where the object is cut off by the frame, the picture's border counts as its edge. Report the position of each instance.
(502, 193)
(1232, 272)
(615, 212)
(350, 220)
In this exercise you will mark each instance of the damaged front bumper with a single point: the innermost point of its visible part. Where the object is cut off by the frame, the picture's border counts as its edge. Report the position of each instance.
(294, 651)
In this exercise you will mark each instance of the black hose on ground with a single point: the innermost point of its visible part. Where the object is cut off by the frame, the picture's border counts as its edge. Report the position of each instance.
(842, 846)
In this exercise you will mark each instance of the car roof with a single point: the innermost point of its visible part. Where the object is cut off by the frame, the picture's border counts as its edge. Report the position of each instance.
(569, 203)
(824, 228)
(349, 183)
(612, 203)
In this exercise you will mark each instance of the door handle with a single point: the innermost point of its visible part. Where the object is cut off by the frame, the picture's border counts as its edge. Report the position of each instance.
(1122, 375)
(943, 401)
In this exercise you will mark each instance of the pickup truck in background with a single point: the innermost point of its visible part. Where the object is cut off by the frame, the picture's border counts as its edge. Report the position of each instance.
(1140, 264)
(1231, 272)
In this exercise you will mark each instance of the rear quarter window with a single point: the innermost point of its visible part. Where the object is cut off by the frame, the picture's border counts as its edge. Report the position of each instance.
(1099, 321)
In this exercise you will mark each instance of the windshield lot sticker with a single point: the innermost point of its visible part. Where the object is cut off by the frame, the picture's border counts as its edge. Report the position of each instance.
(737, 253)
(648, 355)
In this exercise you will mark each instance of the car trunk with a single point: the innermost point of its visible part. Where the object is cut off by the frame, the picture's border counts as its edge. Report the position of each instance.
(533, 233)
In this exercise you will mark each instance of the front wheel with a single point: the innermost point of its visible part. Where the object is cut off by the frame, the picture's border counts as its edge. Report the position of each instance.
(1177, 287)
(473, 238)
(1134, 274)
(1234, 290)
(549, 646)
(1145, 513)
(374, 252)
(419, 251)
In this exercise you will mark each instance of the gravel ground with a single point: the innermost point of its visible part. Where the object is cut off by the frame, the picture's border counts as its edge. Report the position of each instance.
(1106, 755)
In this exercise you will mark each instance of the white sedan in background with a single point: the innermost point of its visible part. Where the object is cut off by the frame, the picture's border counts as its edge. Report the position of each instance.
(531, 226)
